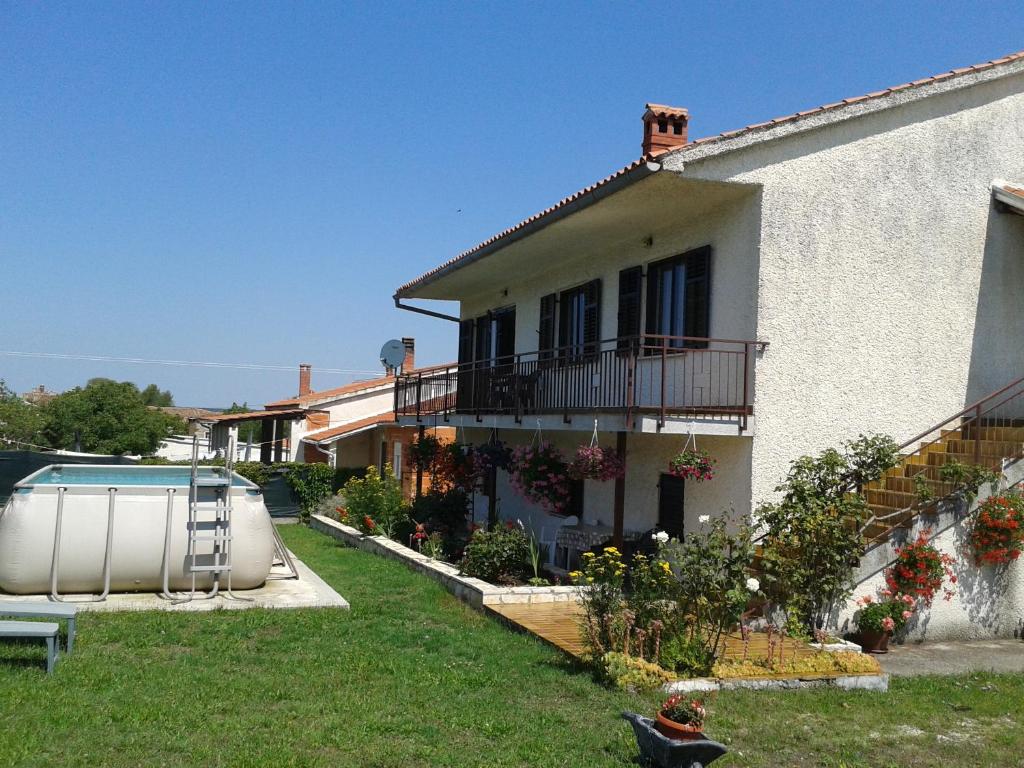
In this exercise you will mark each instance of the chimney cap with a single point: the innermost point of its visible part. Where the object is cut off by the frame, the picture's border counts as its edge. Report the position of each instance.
(663, 110)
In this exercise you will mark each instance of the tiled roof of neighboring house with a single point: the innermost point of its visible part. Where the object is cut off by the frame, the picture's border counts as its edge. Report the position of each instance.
(722, 137)
(328, 435)
(326, 394)
(185, 412)
(227, 418)
(348, 389)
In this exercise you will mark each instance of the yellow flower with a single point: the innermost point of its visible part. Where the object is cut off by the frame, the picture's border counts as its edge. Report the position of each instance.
(611, 550)
(574, 575)
(666, 567)
(588, 554)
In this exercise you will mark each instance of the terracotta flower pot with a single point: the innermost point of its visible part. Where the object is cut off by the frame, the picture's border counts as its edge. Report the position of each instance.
(874, 641)
(678, 731)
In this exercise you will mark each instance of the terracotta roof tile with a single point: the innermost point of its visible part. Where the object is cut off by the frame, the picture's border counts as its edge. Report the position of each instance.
(728, 135)
(326, 394)
(353, 426)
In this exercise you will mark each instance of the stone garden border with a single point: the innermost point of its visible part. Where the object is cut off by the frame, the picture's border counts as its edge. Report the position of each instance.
(476, 592)
(879, 682)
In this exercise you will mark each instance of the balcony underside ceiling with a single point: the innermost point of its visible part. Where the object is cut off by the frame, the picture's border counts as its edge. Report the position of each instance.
(654, 205)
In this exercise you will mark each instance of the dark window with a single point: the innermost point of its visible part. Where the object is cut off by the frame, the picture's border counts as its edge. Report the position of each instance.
(546, 327)
(663, 126)
(482, 349)
(678, 298)
(630, 286)
(677, 128)
(466, 341)
(575, 505)
(579, 319)
(670, 505)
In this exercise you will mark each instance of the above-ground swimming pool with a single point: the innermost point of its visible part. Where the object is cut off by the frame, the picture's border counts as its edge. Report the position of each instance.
(148, 502)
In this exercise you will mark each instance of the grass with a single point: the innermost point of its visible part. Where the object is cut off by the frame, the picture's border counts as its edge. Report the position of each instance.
(411, 677)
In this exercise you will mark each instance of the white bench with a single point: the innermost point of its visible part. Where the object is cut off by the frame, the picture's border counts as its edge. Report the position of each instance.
(43, 611)
(35, 629)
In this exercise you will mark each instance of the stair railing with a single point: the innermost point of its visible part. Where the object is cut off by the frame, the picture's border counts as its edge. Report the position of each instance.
(993, 410)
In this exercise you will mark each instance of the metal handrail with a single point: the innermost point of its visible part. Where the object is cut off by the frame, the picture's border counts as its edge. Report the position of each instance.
(615, 379)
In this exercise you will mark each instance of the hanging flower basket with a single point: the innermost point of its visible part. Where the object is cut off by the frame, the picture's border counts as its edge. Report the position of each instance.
(423, 452)
(692, 465)
(491, 455)
(997, 536)
(592, 462)
(540, 474)
(921, 571)
(454, 467)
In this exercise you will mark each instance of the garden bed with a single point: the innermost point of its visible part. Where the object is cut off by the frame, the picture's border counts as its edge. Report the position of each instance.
(475, 592)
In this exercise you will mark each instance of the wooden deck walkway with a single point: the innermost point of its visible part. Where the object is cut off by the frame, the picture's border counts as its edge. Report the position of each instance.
(559, 625)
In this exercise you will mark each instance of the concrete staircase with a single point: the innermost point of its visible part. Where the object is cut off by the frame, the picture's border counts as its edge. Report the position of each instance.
(893, 499)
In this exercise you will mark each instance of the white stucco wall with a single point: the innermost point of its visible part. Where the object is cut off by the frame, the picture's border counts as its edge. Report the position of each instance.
(877, 234)
(346, 410)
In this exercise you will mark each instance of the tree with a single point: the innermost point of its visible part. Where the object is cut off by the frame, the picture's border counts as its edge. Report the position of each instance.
(20, 422)
(248, 431)
(813, 536)
(107, 416)
(153, 395)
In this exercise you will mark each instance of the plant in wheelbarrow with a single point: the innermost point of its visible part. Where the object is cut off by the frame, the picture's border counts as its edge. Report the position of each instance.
(682, 718)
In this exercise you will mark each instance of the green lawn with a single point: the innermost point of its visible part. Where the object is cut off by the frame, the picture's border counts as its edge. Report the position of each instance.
(411, 677)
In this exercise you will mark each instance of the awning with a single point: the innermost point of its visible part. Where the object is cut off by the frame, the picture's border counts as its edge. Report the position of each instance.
(333, 434)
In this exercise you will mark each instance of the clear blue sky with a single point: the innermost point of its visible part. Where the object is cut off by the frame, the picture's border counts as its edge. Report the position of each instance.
(249, 182)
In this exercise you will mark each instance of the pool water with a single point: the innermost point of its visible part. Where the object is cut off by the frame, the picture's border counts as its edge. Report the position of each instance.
(121, 475)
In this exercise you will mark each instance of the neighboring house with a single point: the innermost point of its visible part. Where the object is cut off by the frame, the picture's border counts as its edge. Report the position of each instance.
(38, 396)
(179, 447)
(767, 292)
(352, 426)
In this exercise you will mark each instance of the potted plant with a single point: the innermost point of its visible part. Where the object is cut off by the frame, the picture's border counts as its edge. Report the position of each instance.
(691, 464)
(592, 462)
(539, 473)
(997, 536)
(878, 620)
(682, 718)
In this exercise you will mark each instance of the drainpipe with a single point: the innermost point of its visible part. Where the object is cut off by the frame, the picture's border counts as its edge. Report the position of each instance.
(427, 312)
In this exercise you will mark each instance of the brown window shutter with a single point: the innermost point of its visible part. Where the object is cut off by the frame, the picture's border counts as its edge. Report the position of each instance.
(466, 341)
(698, 295)
(592, 317)
(546, 327)
(630, 286)
(483, 338)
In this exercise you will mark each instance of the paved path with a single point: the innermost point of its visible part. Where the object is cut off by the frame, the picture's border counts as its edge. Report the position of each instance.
(953, 658)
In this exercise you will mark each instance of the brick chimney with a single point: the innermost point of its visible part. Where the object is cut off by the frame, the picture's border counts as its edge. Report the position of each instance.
(410, 354)
(665, 128)
(305, 378)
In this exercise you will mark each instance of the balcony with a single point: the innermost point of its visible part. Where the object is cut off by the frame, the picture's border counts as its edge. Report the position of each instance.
(660, 376)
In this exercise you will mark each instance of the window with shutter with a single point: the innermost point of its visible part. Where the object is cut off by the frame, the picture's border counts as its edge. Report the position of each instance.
(678, 298)
(482, 351)
(466, 341)
(670, 505)
(628, 328)
(579, 320)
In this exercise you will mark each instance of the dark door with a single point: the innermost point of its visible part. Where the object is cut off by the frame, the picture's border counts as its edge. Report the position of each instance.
(670, 505)
(505, 336)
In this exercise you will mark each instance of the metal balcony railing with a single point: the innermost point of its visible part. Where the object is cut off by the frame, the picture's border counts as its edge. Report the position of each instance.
(658, 375)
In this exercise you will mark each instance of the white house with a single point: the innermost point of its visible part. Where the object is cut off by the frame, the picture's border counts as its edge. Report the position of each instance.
(351, 426)
(766, 293)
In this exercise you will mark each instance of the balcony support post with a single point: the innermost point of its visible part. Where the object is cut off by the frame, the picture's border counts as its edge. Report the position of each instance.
(419, 466)
(619, 511)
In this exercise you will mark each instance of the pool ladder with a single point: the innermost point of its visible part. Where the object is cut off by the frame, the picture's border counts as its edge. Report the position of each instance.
(209, 522)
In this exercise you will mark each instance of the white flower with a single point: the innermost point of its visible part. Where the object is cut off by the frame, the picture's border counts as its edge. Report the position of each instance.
(703, 519)
(753, 584)
(661, 537)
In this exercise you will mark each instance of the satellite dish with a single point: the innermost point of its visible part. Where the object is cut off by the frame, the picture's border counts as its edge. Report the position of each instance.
(392, 354)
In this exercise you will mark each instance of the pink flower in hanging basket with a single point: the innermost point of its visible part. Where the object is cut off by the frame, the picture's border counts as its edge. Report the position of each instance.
(540, 474)
(592, 462)
(692, 465)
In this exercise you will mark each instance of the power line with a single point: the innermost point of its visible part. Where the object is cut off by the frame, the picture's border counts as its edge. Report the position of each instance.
(180, 363)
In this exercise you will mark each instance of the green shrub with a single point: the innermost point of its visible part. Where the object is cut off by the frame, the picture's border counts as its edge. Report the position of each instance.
(630, 673)
(498, 556)
(254, 472)
(377, 497)
(311, 484)
(343, 474)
